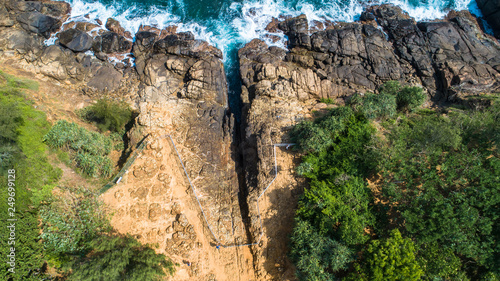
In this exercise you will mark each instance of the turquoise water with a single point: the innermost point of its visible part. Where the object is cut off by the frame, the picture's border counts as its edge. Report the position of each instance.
(230, 24)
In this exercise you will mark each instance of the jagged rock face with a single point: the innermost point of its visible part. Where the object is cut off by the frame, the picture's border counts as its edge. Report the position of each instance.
(491, 11)
(184, 94)
(448, 58)
(41, 18)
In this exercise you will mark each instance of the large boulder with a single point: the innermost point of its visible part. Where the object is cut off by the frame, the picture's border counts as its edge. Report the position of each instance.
(111, 42)
(491, 12)
(75, 40)
(39, 23)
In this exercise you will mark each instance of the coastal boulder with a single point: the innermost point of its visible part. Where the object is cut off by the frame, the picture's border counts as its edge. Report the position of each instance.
(111, 42)
(75, 40)
(39, 23)
(115, 26)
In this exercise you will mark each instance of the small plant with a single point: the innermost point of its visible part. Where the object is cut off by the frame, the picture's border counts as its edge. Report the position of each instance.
(108, 115)
(327, 100)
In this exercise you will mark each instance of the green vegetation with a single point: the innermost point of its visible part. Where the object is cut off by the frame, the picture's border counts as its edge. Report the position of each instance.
(118, 258)
(391, 97)
(70, 223)
(392, 258)
(327, 100)
(315, 254)
(70, 230)
(89, 149)
(437, 190)
(22, 149)
(80, 242)
(107, 115)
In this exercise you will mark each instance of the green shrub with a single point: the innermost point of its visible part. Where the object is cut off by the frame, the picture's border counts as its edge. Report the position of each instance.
(374, 106)
(121, 258)
(327, 100)
(390, 88)
(10, 121)
(316, 255)
(90, 149)
(410, 98)
(94, 165)
(107, 114)
(72, 221)
(319, 135)
(392, 258)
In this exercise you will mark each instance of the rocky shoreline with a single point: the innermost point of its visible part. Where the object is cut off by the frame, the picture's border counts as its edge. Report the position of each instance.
(177, 84)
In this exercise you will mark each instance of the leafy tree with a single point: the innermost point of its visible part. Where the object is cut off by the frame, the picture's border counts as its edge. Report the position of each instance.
(439, 262)
(392, 258)
(316, 255)
(341, 206)
(445, 185)
(319, 135)
(121, 258)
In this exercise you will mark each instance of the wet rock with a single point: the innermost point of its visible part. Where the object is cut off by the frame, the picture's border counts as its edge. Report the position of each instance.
(39, 23)
(111, 42)
(491, 12)
(114, 26)
(75, 40)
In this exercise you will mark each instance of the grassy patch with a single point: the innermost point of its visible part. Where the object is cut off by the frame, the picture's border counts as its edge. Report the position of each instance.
(22, 150)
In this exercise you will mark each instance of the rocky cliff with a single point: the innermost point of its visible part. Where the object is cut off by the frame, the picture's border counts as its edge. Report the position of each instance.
(177, 85)
(491, 12)
(450, 58)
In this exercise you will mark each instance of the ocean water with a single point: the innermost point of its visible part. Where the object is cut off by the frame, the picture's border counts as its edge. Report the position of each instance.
(230, 24)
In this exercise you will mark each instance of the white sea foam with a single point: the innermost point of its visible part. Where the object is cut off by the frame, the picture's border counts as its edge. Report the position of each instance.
(242, 22)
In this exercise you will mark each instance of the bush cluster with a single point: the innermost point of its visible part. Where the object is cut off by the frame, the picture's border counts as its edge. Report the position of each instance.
(107, 115)
(90, 148)
(391, 98)
(428, 211)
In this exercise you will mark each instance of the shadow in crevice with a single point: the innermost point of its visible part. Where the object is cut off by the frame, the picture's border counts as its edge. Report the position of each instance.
(127, 151)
